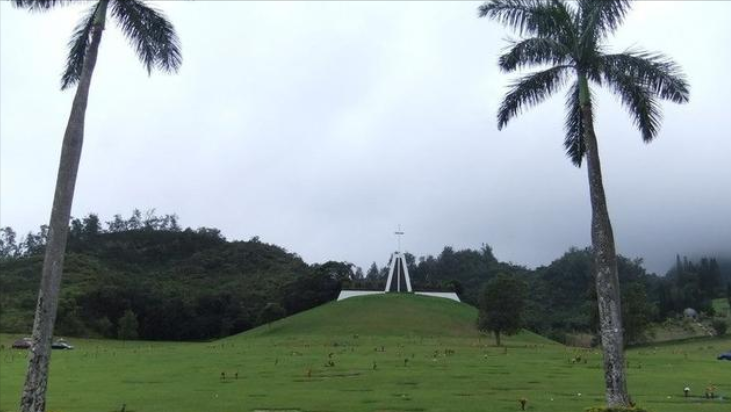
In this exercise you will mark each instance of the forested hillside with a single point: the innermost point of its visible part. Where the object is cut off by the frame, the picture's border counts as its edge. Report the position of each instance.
(145, 277)
(561, 297)
(178, 284)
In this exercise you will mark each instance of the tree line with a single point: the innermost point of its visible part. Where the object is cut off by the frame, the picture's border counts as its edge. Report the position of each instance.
(84, 229)
(194, 284)
(178, 284)
(561, 297)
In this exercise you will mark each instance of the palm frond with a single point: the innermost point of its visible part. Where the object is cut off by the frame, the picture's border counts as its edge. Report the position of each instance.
(534, 51)
(639, 100)
(150, 33)
(601, 17)
(658, 73)
(530, 91)
(542, 18)
(574, 125)
(40, 5)
(567, 19)
(598, 18)
(77, 49)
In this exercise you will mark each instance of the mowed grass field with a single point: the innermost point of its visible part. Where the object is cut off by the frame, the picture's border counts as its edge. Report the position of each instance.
(378, 353)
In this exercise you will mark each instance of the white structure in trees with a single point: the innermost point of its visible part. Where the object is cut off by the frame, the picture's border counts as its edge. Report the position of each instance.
(399, 269)
(399, 280)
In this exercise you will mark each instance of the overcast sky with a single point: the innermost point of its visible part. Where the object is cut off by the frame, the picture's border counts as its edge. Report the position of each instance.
(322, 126)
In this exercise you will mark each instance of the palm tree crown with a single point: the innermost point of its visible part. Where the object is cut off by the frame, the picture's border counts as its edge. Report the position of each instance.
(569, 39)
(147, 29)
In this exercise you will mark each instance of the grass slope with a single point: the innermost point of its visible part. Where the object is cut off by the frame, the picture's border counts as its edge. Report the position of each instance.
(426, 359)
(390, 315)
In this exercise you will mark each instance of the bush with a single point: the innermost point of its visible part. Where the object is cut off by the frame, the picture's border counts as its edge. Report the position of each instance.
(719, 326)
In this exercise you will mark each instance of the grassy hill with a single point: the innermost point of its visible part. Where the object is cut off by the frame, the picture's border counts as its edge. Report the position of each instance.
(390, 315)
(377, 353)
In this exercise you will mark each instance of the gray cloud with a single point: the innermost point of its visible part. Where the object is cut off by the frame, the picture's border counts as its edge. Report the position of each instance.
(321, 126)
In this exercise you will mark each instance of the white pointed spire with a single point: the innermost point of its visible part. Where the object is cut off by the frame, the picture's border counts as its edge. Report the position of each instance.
(398, 268)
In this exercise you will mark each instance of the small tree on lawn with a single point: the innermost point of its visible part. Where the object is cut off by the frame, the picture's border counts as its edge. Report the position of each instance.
(501, 306)
(128, 326)
(271, 312)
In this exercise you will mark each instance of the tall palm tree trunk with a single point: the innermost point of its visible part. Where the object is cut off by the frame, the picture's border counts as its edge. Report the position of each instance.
(605, 265)
(36, 381)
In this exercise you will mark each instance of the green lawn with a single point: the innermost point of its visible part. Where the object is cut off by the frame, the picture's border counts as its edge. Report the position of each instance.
(285, 368)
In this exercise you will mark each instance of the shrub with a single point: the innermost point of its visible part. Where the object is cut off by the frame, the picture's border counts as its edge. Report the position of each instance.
(719, 326)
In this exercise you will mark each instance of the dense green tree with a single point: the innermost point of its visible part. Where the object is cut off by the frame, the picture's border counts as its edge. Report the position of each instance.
(502, 304)
(8, 243)
(719, 326)
(92, 225)
(156, 44)
(341, 272)
(310, 290)
(468, 269)
(69, 320)
(560, 293)
(678, 265)
(117, 225)
(271, 312)
(128, 326)
(35, 242)
(456, 287)
(563, 298)
(638, 313)
(135, 221)
(105, 327)
(373, 272)
(410, 260)
(570, 38)
(690, 284)
(710, 277)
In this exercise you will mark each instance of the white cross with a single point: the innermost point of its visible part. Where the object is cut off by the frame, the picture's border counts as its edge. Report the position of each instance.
(399, 233)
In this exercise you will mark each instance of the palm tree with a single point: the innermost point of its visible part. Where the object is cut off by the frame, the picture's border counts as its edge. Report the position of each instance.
(154, 39)
(569, 38)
